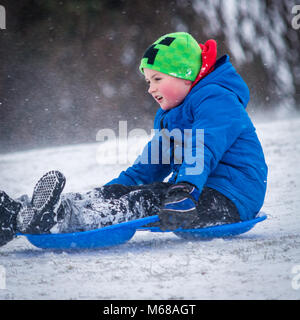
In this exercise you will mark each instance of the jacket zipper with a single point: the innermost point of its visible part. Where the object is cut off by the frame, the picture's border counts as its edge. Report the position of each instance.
(162, 127)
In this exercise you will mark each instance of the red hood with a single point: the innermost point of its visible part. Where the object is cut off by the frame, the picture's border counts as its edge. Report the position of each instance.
(209, 58)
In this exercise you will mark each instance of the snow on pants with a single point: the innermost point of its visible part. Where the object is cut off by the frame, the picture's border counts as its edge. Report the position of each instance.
(117, 203)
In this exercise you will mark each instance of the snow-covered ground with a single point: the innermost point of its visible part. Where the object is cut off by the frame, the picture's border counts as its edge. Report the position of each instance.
(255, 265)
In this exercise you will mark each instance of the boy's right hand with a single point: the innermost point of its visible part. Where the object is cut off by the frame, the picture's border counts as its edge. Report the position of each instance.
(179, 209)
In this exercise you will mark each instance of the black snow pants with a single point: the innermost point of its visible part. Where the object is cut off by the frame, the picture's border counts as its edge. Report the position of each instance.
(112, 204)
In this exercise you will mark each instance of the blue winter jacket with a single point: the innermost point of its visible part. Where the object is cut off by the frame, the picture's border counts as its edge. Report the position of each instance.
(226, 155)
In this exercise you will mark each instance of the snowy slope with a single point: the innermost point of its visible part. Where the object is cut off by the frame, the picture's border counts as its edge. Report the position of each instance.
(256, 265)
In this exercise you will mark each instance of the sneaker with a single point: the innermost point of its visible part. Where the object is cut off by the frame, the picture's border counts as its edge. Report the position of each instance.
(40, 216)
(8, 214)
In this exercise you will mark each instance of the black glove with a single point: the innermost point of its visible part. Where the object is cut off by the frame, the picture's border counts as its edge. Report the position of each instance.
(179, 209)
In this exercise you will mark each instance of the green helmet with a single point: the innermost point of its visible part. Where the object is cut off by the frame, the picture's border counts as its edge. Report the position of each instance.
(176, 54)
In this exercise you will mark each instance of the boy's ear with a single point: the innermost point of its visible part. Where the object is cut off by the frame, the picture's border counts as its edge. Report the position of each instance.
(187, 82)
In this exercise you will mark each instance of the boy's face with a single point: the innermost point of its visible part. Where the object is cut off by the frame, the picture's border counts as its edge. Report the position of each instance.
(168, 91)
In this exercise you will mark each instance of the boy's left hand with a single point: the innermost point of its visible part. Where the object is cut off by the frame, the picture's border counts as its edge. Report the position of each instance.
(179, 209)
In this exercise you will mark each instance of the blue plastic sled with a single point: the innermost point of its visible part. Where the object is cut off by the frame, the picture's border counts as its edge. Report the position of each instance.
(123, 232)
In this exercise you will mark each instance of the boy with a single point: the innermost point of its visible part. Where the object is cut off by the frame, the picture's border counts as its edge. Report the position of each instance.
(194, 92)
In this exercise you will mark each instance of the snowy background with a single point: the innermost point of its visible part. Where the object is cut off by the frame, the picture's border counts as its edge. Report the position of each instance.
(70, 68)
(255, 265)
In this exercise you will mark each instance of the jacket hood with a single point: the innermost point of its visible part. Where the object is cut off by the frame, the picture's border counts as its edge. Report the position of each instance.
(226, 76)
